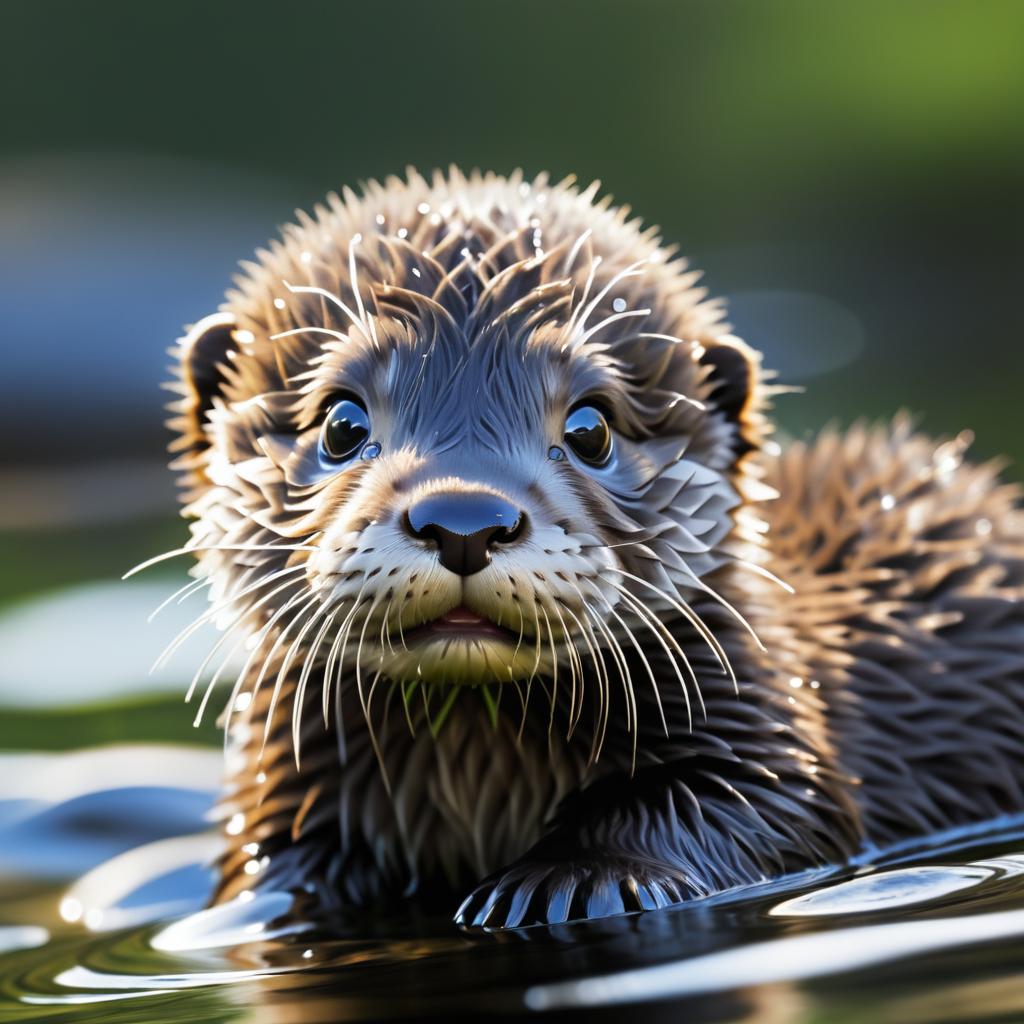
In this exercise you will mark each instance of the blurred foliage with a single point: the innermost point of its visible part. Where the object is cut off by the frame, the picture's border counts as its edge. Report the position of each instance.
(158, 719)
(870, 152)
(36, 561)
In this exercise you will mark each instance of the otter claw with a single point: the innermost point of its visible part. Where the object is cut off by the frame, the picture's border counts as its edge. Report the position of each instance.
(534, 894)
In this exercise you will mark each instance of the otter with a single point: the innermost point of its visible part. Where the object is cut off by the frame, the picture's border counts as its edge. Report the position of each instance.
(538, 620)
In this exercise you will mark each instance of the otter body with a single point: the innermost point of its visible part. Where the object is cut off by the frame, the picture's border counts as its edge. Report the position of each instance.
(539, 621)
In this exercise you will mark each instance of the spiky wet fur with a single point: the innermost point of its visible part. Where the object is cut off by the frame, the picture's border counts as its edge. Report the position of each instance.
(883, 698)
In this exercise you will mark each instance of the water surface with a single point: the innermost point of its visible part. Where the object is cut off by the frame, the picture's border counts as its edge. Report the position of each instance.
(103, 887)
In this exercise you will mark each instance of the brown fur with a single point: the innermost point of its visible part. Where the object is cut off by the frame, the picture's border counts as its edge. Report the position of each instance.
(884, 698)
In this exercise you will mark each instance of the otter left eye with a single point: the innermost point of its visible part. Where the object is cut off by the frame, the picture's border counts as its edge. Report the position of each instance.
(587, 433)
(345, 430)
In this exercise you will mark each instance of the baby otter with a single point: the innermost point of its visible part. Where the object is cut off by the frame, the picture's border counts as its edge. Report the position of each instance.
(537, 618)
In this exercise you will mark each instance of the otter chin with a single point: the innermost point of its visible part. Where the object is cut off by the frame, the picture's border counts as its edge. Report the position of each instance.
(539, 622)
(459, 646)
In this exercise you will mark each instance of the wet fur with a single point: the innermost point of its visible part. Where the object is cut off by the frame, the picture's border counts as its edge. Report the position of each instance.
(883, 698)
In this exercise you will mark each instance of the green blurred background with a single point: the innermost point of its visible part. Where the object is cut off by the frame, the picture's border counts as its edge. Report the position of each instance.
(848, 175)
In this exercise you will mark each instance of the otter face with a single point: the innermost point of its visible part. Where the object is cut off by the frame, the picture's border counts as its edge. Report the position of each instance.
(461, 433)
(469, 520)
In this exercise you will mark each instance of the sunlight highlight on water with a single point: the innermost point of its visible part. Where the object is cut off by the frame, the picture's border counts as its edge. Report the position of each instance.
(862, 943)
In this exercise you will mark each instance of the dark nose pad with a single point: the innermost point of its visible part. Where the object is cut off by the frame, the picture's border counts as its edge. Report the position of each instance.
(465, 525)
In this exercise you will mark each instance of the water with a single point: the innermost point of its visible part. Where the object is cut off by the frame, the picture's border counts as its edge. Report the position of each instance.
(927, 933)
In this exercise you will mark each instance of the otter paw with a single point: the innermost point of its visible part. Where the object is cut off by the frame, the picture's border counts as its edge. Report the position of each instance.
(541, 893)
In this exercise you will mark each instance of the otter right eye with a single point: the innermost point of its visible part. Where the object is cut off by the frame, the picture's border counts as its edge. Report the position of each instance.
(588, 434)
(345, 430)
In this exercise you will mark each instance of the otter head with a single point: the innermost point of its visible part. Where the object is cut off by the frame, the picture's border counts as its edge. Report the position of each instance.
(461, 432)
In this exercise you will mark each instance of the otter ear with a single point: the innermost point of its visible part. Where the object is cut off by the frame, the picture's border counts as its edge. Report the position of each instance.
(203, 355)
(734, 374)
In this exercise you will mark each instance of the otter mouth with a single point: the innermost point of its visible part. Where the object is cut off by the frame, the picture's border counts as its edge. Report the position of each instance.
(461, 623)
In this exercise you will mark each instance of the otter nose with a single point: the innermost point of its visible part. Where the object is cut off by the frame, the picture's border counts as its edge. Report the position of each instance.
(465, 525)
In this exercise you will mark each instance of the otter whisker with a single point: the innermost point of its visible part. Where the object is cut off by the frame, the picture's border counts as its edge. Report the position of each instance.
(215, 610)
(339, 643)
(183, 592)
(191, 549)
(211, 685)
(599, 665)
(621, 663)
(305, 289)
(354, 281)
(533, 671)
(580, 322)
(257, 645)
(348, 631)
(636, 542)
(701, 585)
(362, 696)
(286, 663)
(656, 626)
(335, 666)
(632, 715)
(554, 667)
(640, 653)
(197, 721)
(308, 330)
(359, 651)
(691, 616)
(385, 629)
(609, 320)
(213, 650)
(760, 570)
(302, 607)
(576, 673)
(604, 695)
(647, 615)
(570, 257)
(581, 305)
(300, 690)
(374, 742)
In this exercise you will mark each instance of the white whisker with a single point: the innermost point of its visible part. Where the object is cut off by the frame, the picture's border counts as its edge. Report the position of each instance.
(192, 549)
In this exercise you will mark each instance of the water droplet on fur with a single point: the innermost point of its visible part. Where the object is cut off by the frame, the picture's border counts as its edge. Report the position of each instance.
(424, 208)
(371, 451)
(888, 502)
(279, 303)
(619, 305)
(555, 453)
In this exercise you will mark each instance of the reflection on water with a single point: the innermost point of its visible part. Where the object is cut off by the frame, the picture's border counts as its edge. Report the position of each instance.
(932, 934)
